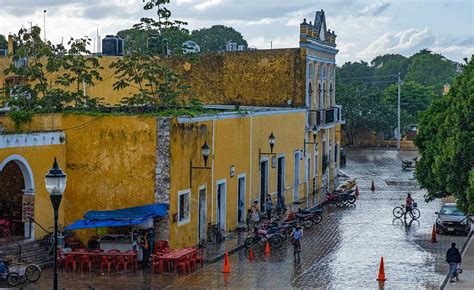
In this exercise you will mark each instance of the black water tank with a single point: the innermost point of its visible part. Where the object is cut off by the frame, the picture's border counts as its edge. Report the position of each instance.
(112, 45)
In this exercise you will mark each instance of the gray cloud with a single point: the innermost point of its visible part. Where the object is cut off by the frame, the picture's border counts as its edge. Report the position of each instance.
(375, 8)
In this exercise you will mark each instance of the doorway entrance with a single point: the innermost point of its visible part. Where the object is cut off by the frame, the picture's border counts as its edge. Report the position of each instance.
(296, 176)
(17, 195)
(281, 182)
(202, 215)
(241, 199)
(221, 204)
(263, 183)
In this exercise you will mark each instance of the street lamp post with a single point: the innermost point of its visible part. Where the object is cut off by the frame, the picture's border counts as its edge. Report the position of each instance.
(55, 181)
(205, 152)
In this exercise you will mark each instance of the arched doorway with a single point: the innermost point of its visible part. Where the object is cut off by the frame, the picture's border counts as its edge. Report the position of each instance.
(17, 184)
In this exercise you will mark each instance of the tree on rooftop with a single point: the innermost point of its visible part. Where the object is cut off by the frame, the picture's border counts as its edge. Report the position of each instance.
(157, 85)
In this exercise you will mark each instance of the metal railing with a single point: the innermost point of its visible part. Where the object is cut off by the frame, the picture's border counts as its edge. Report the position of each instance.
(32, 220)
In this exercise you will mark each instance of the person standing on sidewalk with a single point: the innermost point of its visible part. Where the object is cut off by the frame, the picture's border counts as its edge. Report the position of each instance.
(453, 257)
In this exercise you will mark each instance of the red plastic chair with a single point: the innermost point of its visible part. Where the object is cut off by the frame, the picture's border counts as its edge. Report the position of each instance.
(193, 261)
(5, 228)
(162, 246)
(156, 263)
(85, 261)
(61, 260)
(113, 251)
(122, 261)
(183, 264)
(105, 262)
(70, 263)
(133, 258)
(200, 257)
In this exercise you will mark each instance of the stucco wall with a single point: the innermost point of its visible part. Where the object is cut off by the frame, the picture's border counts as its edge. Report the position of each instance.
(110, 162)
(233, 142)
(258, 78)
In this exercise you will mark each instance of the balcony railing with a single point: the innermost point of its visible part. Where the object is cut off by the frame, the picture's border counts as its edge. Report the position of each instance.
(327, 117)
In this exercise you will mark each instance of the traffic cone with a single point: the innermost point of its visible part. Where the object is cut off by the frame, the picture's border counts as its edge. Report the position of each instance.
(226, 263)
(251, 256)
(372, 188)
(381, 277)
(357, 192)
(267, 249)
(433, 235)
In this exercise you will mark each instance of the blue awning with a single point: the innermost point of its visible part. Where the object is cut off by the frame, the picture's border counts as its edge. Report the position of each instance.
(120, 217)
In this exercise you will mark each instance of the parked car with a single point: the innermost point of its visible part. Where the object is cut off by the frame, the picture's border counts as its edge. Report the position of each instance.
(452, 220)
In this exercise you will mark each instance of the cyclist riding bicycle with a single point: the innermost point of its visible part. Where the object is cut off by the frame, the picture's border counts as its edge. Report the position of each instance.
(408, 204)
(297, 235)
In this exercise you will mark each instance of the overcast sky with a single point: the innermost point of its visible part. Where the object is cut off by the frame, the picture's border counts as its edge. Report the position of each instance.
(364, 28)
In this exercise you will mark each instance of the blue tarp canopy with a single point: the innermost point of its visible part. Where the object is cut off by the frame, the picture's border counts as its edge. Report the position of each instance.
(120, 217)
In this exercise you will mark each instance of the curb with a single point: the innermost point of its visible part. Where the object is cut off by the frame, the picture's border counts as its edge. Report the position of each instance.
(468, 239)
(221, 256)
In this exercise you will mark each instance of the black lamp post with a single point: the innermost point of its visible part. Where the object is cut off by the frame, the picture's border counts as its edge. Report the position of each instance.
(315, 134)
(55, 181)
(271, 141)
(205, 152)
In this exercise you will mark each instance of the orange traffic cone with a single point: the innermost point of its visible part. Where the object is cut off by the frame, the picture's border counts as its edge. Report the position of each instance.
(372, 188)
(267, 249)
(357, 192)
(226, 263)
(381, 277)
(433, 235)
(251, 256)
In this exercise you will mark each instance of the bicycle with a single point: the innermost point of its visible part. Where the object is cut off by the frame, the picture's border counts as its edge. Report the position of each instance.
(215, 235)
(296, 249)
(400, 211)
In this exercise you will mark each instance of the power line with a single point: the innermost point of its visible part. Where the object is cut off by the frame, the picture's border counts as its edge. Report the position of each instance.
(373, 77)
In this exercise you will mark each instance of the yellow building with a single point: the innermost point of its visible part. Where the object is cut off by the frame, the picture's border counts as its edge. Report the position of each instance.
(117, 161)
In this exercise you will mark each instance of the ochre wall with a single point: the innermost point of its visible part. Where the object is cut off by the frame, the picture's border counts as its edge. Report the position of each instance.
(110, 162)
(40, 159)
(236, 142)
(245, 77)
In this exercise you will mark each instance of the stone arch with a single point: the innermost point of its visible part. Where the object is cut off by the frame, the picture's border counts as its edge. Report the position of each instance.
(29, 181)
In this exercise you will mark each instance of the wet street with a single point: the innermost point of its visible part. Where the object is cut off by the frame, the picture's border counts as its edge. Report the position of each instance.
(342, 252)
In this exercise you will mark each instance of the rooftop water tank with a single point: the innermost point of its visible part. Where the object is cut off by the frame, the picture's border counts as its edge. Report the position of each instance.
(112, 45)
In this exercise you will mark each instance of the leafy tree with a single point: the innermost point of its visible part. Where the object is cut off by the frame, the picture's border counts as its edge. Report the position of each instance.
(431, 70)
(33, 76)
(390, 64)
(3, 42)
(80, 68)
(446, 142)
(158, 85)
(414, 98)
(215, 37)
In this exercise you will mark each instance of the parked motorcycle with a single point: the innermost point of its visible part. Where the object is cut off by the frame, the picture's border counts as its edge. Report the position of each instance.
(340, 199)
(315, 212)
(409, 164)
(261, 236)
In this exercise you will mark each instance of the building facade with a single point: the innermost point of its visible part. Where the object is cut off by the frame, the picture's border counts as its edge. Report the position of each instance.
(123, 161)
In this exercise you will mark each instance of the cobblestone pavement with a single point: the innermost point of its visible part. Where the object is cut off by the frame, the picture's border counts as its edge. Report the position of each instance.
(342, 252)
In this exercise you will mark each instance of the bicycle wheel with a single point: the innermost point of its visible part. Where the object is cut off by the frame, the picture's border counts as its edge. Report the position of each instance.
(275, 241)
(317, 218)
(415, 214)
(351, 199)
(307, 224)
(398, 212)
(33, 272)
(13, 279)
(249, 242)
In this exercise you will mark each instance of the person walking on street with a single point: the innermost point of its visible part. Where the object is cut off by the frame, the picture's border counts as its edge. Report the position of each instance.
(453, 257)
(268, 207)
(255, 213)
(408, 205)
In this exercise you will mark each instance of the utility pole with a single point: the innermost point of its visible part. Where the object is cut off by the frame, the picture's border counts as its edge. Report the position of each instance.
(398, 113)
(44, 24)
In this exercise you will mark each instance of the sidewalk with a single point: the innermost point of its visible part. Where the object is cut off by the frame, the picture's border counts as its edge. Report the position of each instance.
(467, 277)
(215, 252)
